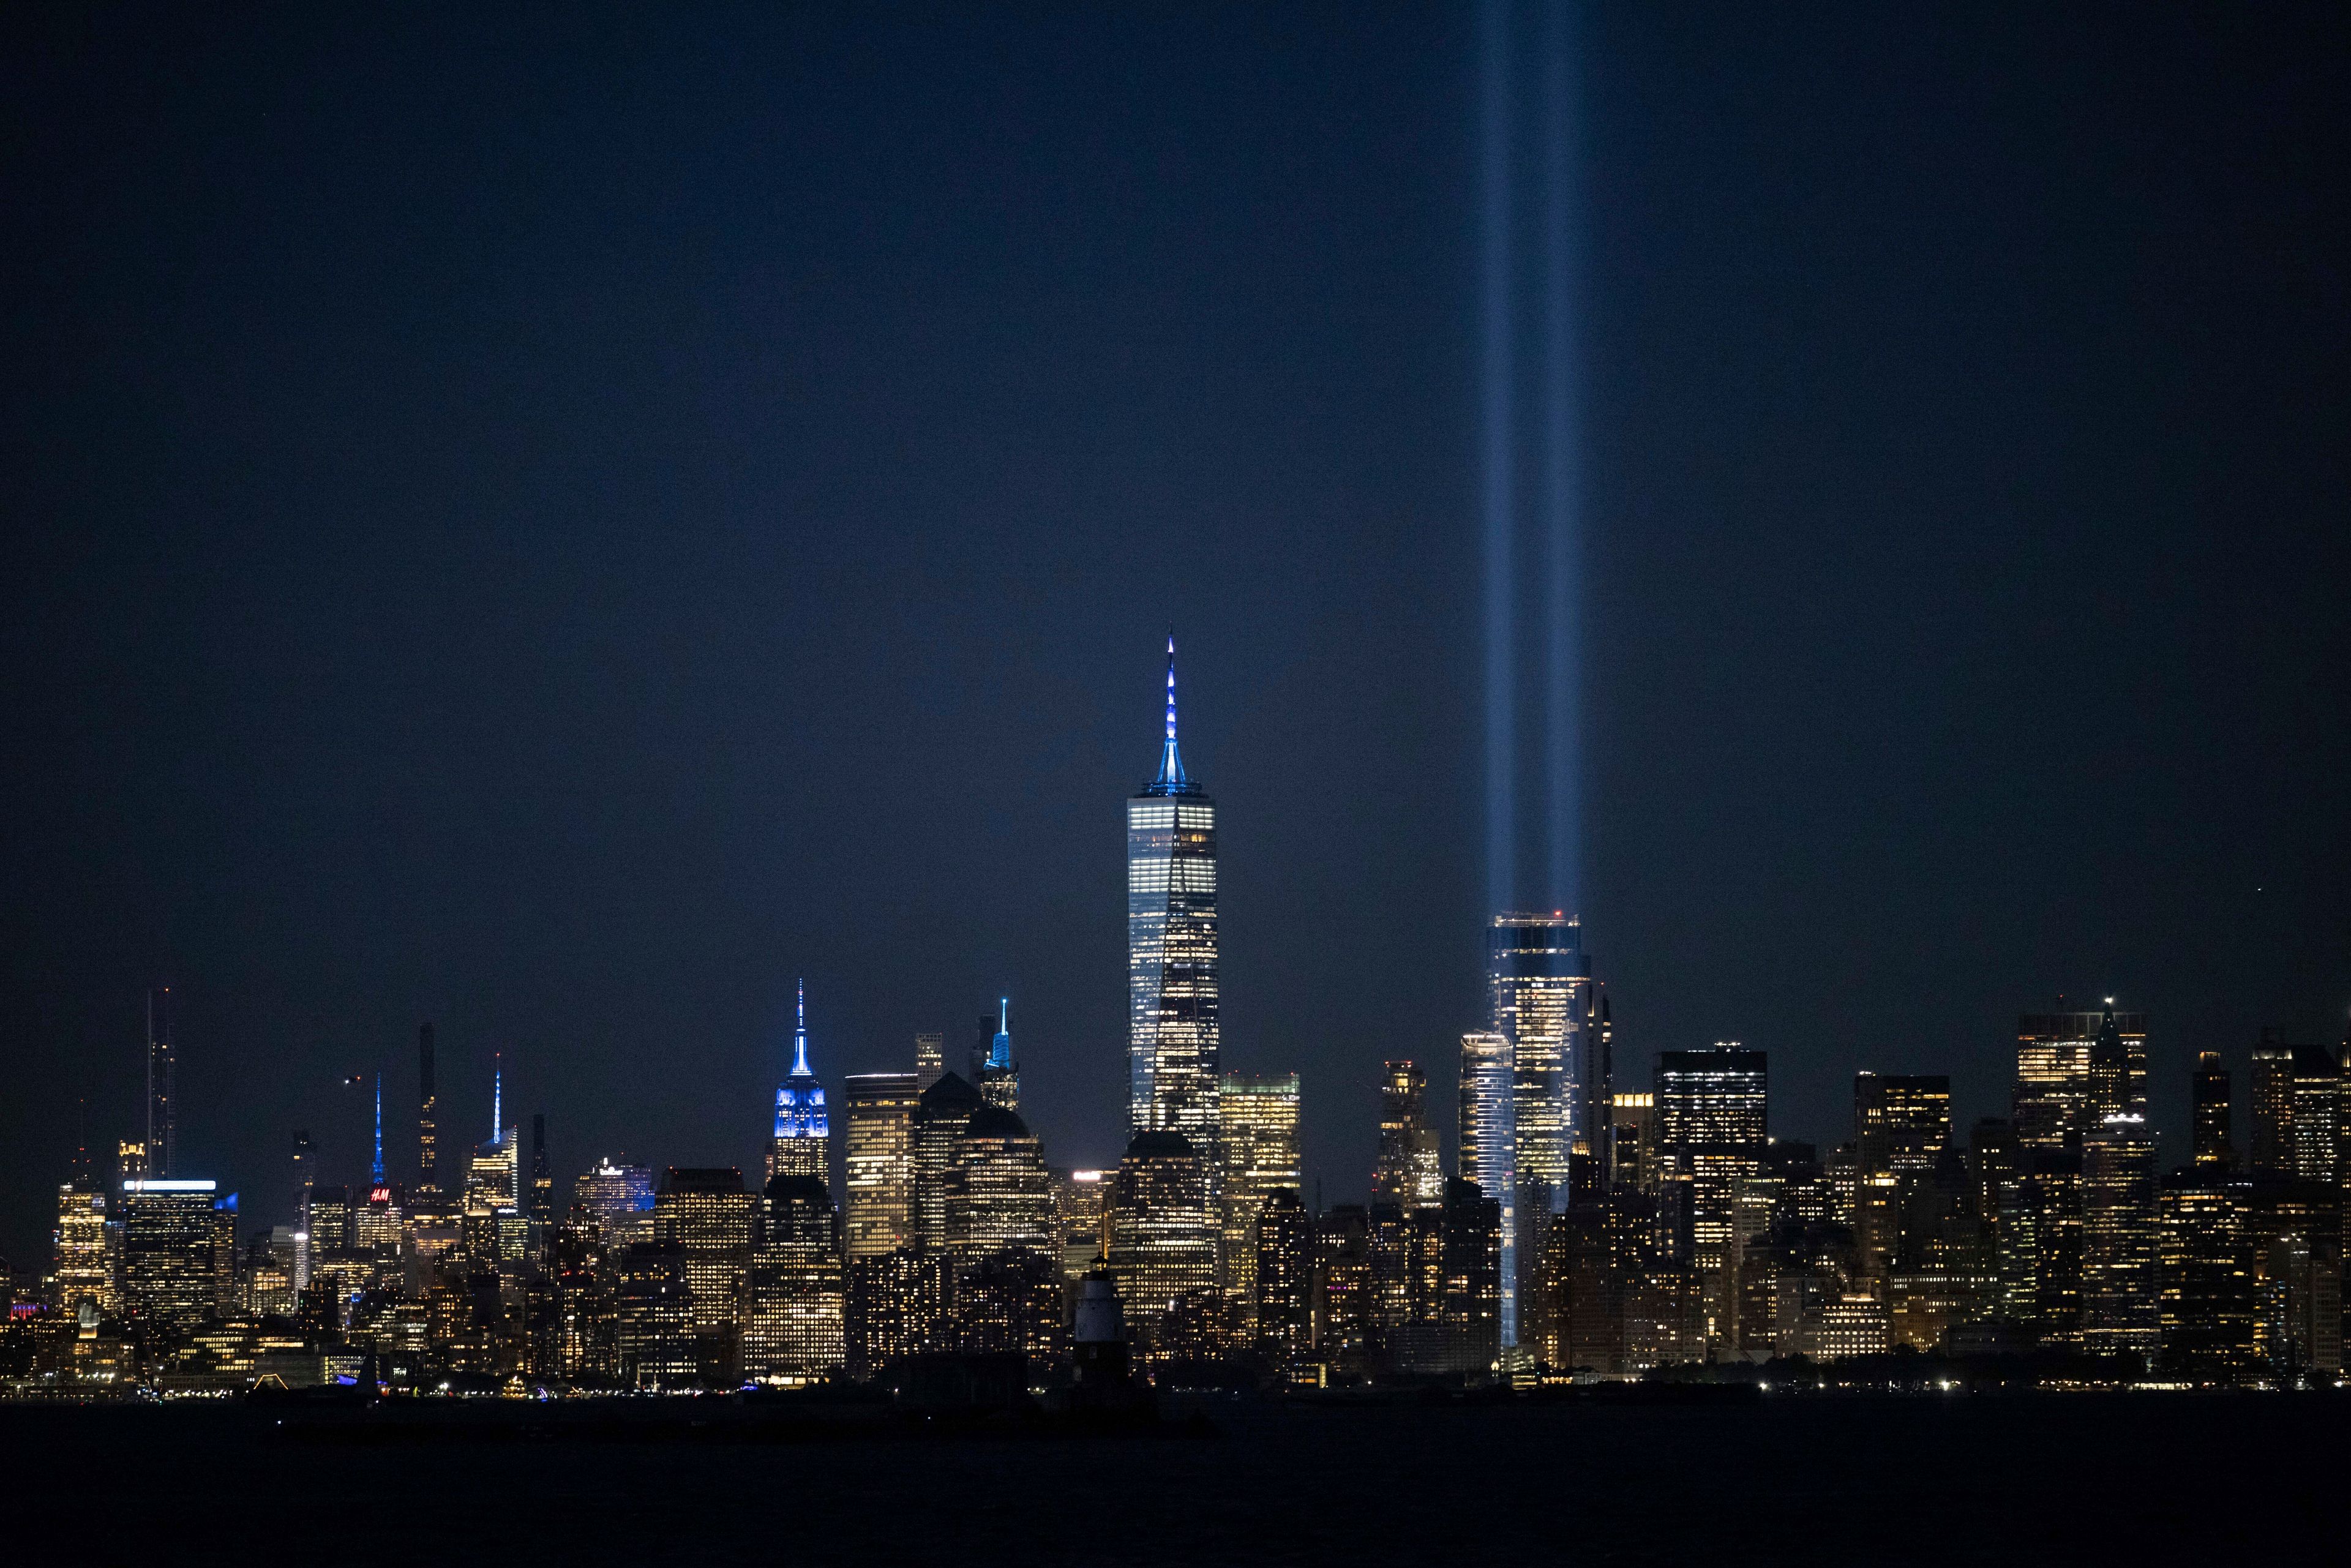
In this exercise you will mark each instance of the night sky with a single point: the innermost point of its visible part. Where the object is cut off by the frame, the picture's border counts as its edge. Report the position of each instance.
(563, 524)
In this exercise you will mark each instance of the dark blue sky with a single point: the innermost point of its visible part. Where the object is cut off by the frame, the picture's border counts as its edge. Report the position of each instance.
(562, 523)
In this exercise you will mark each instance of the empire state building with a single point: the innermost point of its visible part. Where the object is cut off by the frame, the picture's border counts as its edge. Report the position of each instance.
(1171, 949)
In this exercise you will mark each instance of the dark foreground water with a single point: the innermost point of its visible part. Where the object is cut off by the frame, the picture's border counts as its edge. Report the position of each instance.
(2082, 1480)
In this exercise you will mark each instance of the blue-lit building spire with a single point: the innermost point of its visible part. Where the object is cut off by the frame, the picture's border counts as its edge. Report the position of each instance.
(1172, 779)
(498, 1099)
(378, 1129)
(802, 1140)
(1000, 1051)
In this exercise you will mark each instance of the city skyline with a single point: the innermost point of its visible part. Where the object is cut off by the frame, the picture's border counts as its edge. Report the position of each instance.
(565, 557)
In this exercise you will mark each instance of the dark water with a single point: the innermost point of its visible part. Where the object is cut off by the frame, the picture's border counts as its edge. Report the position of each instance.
(2086, 1479)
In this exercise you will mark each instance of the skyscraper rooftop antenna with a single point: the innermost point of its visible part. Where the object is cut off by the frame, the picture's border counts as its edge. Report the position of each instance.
(799, 1038)
(497, 1096)
(1171, 761)
(378, 1129)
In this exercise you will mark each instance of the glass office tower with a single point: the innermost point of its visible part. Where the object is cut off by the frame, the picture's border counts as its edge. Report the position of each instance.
(1537, 983)
(1171, 950)
(1488, 1151)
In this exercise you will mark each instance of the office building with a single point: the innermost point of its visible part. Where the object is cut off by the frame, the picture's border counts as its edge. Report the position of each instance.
(1283, 1278)
(1171, 952)
(1470, 1290)
(1259, 1118)
(1632, 1147)
(1902, 1123)
(1538, 992)
(83, 1272)
(1082, 1201)
(655, 1342)
(2121, 1289)
(162, 1086)
(620, 1198)
(930, 1060)
(793, 1330)
(1409, 1170)
(2053, 1095)
(2204, 1313)
(878, 1109)
(1163, 1243)
(1711, 1135)
(898, 1306)
(803, 1143)
(2210, 1131)
(997, 1193)
(1345, 1305)
(942, 1111)
(2297, 1094)
(177, 1263)
(707, 1216)
(1488, 1150)
(2294, 1232)
(1011, 1301)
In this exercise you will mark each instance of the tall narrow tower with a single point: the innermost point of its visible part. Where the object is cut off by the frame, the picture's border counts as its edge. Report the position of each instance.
(1171, 950)
(802, 1145)
(425, 1182)
(163, 1085)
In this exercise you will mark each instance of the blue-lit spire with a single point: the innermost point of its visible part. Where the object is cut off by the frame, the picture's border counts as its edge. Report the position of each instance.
(799, 1037)
(1172, 779)
(1000, 1051)
(800, 1099)
(498, 1099)
(378, 1129)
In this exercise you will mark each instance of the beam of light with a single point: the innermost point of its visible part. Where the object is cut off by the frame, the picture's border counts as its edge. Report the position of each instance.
(1493, 26)
(1562, 468)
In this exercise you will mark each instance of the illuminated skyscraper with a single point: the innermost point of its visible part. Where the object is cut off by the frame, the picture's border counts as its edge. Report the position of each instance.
(708, 1217)
(1488, 1151)
(1163, 1243)
(2296, 1095)
(1409, 1170)
(1473, 1288)
(1538, 987)
(654, 1341)
(427, 1168)
(2211, 1131)
(879, 1156)
(163, 1085)
(171, 1265)
(1171, 952)
(2121, 1291)
(1084, 1200)
(802, 1145)
(2055, 1055)
(996, 1074)
(997, 1191)
(941, 1114)
(83, 1273)
(1712, 1132)
(1283, 1280)
(793, 1328)
(620, 1198)
(930, 1060)
(2204, 1266)
(1901, 1125)
(1259, 1117)
(540, 1208)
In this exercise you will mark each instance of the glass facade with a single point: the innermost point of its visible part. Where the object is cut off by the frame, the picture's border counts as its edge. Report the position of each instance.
(1488, 1150)
(1170, 947)
(880, 1160)
(1537, 991)
(1260, 1122)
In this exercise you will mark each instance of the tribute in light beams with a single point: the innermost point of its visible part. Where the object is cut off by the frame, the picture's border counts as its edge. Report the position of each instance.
(1539, 867)
(1562, 471)
(1501, 751)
